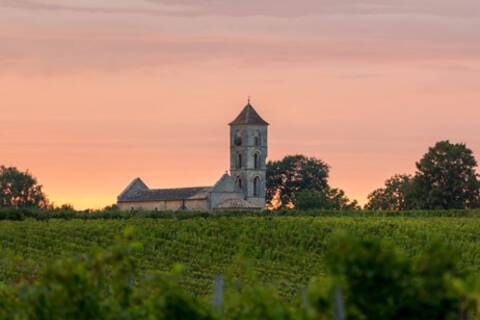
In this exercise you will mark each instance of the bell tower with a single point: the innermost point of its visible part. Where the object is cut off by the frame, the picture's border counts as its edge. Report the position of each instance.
(248, 154)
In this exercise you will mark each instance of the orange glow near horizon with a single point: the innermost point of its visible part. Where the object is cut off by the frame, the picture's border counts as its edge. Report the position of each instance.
(94, 95)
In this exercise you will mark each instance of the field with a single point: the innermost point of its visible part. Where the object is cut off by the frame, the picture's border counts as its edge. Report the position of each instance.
(284, 252)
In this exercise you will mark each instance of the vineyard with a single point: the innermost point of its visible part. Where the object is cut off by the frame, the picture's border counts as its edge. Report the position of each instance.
(425, 262)
(283, 252)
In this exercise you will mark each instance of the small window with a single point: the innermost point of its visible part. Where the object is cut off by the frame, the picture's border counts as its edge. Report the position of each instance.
(239, 161)
(238, 138)
(256, 187)
(257, 140)
(239, 182)
(256, 160)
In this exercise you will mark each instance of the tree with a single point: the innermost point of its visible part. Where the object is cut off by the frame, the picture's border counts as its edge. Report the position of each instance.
(112, 207)
(338, 200)
(446, 178)
(20, 189)
(331, 198)
(67, 207)
(396, 195)
(292, 174)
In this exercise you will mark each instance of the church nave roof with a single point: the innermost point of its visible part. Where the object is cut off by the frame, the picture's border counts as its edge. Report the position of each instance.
(166, 194)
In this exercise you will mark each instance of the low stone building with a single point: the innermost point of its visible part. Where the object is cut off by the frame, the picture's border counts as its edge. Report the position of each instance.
(243, 189)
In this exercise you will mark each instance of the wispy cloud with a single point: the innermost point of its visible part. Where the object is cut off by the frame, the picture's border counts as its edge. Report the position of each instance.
(159, 9)
(108, 35)
(284, 8)
(60, 53)
(292, 8)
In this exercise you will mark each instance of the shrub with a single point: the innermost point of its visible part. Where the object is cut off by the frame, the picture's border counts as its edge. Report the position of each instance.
(103, 285)
(381, 282)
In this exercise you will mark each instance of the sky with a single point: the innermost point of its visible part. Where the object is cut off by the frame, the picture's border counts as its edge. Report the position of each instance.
(94, 93)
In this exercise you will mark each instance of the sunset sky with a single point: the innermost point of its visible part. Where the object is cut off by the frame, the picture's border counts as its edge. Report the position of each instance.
(94, 93)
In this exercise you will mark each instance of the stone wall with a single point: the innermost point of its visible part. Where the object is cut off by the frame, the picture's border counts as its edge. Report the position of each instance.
(218, 197)
(165, 205)
(197, 205)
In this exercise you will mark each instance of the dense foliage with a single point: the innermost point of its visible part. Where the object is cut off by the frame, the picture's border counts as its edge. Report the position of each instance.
(396, 195)
(101, 285)
(115, 214)
(330, 199)
(292, 174)
(20, 189)
(382, 282)
(303, 181)
(365, 279)
(445, 179)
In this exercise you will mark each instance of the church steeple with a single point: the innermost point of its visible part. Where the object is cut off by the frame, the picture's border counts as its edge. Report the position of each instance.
(248, 154)
(248, 116)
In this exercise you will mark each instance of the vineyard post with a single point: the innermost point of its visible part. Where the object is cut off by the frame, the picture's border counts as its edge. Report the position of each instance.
(218, 293)
(339, 310)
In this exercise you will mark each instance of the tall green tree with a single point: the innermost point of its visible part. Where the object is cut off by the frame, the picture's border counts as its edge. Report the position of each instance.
(446, 178)
(292, 174)
(396, 195)
(20, 189)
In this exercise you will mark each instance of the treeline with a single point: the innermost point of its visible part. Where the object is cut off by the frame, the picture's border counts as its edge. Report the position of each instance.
(445, 178)
(108, 285)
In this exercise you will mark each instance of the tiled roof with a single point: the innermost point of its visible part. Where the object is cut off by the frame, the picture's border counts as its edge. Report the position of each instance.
(166, 194)
(136, 185)
(248, 116)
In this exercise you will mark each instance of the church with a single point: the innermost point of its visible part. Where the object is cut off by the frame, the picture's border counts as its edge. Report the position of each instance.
(243, 188)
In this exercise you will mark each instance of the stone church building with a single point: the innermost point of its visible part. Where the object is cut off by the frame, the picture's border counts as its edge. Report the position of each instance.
(243, 189)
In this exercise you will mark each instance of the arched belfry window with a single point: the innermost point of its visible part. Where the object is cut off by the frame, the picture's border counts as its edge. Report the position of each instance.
(256, 139)
(256, 160)
(239, 182)
(239, 161)
(237, 138)
(256, 186)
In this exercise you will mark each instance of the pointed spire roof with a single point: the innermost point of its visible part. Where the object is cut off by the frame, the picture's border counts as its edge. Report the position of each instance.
(248, 116)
